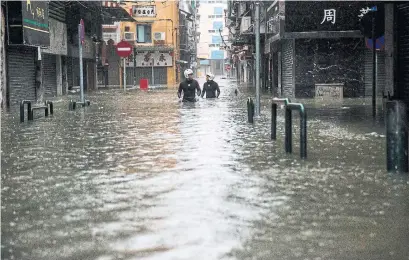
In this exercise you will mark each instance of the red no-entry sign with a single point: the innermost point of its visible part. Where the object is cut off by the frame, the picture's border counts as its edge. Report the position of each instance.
(123, 49)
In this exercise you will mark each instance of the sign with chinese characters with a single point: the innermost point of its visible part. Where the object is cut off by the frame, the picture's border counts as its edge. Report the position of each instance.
(319, 16)
(329, 16)
(155, 58)
(35, 23)
(144, 10)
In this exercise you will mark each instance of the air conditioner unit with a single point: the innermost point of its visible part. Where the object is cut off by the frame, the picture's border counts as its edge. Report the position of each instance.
(159, 36)
(129, 36)
(245, 23)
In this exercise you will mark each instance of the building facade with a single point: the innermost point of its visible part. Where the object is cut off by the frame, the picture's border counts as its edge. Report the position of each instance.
(154, 35)
(213, 37)
(309, 45)
(40, 49)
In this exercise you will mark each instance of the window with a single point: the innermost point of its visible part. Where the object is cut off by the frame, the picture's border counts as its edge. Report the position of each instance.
(217, 25)
(217, 55)
(144, 33)
(214, 45)
(218, 10)
(212, 31)
(216, 39)
(215, 16)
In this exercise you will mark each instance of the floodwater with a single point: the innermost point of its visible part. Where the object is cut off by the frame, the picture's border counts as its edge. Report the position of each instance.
(142, 176)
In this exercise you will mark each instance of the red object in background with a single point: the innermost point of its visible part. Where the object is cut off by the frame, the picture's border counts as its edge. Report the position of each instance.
(143, 83)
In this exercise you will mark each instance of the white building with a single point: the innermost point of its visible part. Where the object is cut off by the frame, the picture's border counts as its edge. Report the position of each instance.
(213, 37)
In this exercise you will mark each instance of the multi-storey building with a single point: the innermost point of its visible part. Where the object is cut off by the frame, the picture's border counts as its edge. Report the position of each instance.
(162, 33)
(213, 37)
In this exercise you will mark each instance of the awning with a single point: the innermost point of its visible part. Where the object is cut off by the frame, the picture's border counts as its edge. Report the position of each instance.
(113, 12)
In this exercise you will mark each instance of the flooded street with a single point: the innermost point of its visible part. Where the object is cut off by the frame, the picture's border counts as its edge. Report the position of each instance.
(142, 176)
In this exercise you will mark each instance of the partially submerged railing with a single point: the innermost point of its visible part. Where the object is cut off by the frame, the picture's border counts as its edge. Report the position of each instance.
(288, 124)
(73, 104)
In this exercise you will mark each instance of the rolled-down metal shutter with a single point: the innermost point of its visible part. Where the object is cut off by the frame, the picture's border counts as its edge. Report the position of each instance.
(403, 50)
(160, 75)
(49, 75)
(287, 68)
(380, 72)
(21, 72)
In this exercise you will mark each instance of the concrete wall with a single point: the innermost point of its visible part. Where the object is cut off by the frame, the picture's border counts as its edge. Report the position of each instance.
(329, 61)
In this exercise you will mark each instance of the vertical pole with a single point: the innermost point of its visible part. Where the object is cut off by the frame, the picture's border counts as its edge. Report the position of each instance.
(21, 112)
(288, 131)
(134, 66)
(81, 65)
(303, 134)
(396, 137)
(124, 74)
(273, 121)
(153, 75)
(373, 66)
(257, 76)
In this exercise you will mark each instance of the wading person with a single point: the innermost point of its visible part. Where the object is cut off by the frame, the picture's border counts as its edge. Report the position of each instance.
(189, 87)
(210, 87)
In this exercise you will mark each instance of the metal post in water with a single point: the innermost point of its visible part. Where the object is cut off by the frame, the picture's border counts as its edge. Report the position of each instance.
(397, 136)
(250, 110)
(124, 74)
(81, 65)
(288, 131)
(303, 132)
(22, 112)
(257, 27)
(273, 121)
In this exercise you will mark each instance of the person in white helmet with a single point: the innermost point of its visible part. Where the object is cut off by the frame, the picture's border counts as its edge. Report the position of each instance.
(189, 87)
(210, 87)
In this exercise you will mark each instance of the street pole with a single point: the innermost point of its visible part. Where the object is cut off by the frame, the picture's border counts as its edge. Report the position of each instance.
(373, 66)
(257, 27)
(153, 75)
(81, 66)
(134, 67)
(124, 74)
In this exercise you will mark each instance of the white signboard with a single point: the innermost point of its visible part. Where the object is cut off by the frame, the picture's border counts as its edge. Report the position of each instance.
(144, 11)
(158, 58)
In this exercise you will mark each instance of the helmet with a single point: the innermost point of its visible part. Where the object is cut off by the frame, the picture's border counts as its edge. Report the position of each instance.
(211, 76)
(187, 72)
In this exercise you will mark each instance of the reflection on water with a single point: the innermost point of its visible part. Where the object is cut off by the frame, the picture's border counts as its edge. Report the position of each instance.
(140, 175)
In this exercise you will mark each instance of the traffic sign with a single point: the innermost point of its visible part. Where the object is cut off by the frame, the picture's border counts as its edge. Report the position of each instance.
(228, 67)
(123, 49)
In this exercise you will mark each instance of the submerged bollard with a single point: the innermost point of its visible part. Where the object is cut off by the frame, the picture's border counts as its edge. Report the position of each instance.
(274, 115)
(303, 128)
(250, 110)
(273, 121)
(50, 106)
(397, 136)
(28, 102)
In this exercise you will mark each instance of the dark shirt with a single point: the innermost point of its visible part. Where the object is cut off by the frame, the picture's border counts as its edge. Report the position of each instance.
(189, 87)
(210, 88)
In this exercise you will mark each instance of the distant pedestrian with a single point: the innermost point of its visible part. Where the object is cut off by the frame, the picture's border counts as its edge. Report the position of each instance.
(189, 87)
(210, 87)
